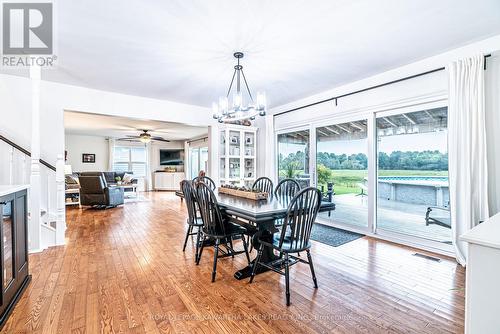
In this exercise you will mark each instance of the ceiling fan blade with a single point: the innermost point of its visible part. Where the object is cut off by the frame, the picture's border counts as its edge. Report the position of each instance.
(128, 139)
(160, 139)
(133, 136)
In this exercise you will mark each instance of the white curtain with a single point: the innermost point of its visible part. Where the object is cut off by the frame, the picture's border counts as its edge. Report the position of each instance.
(148, 179)
(111, 147)
(269, 168)
(492, 92)
(467, 149)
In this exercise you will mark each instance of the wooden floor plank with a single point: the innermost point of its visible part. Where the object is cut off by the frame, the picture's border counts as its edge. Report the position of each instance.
(123, 271)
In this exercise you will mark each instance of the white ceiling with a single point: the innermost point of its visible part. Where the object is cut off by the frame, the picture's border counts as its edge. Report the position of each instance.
(182, 50)
(79, 123)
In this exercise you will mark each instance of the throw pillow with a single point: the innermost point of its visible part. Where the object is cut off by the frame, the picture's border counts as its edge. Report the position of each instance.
(127, 178)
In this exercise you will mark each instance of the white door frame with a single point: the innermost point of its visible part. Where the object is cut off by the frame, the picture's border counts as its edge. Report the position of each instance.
(276, 151)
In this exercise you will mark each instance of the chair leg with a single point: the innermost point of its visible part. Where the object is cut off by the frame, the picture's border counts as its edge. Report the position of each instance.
(201, 250)
(232, 248)
(249, 242)
(246, 248)
(256, 263)
(197, 244)
(309, 259)
(287, 280)
(216, 254)
(188, 232)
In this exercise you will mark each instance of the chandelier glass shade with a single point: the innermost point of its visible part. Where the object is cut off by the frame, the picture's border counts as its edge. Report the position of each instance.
(234, 109)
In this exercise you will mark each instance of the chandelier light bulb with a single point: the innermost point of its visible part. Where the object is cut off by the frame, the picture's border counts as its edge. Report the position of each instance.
(223, 104)
(237, 101)
(215, 110)
(261, 100)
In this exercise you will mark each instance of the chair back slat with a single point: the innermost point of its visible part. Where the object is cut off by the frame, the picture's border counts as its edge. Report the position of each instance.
(286, 188)
(300, 217)
(263, 184)
(209, 210)
(205, 179)
(189, 195)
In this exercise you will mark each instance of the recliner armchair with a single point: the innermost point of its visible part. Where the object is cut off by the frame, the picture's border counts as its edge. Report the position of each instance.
(94, 191)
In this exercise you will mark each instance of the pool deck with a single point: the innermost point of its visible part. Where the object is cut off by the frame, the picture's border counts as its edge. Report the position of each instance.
(392, 216)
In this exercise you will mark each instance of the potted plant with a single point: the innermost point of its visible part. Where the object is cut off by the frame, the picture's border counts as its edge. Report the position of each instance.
(118, 180)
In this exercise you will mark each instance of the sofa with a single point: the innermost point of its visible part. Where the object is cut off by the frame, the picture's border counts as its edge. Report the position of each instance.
(96, 192)
(110, 177)
(72, 180)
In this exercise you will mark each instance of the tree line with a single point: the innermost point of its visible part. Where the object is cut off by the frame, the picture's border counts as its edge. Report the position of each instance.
(397, 160)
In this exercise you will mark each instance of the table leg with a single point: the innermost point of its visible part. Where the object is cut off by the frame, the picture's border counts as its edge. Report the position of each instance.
(266, 230)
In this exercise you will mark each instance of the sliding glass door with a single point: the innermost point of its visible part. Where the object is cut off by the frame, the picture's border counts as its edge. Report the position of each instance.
(294, 156)
(412, 187)
(198, 160)
(342, 171)
(386, 172)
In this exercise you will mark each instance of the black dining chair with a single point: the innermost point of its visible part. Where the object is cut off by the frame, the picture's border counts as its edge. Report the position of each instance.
(263, 184)
(284, 192)
(193, 221)
(216, 227)
(208, 181)
(294, 236)
(287, 188)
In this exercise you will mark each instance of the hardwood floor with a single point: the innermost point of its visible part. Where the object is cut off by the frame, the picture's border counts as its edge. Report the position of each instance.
(123, 271)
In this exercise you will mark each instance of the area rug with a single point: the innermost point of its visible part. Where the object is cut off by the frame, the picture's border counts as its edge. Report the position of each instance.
(137, 199)
(332, 236)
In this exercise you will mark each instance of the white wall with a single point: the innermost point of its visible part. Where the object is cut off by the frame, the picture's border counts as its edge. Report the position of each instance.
(485, 46)
(76, 145)
(493, 130)
(15, 110)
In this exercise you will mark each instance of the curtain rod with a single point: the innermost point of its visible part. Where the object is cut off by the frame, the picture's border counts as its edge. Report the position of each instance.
(335, 98)
(198, 139)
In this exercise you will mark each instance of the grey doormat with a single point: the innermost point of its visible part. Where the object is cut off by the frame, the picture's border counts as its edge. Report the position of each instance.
(332, 236)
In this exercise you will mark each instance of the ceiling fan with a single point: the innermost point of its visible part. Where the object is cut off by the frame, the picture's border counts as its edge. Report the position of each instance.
(144, 137)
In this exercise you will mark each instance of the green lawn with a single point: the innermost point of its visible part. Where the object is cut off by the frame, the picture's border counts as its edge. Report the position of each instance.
(346, 181)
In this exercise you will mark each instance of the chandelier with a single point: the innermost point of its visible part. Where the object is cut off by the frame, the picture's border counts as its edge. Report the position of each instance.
(237, 111)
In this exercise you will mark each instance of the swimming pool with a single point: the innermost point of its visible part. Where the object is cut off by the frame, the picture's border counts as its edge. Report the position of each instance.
(414, 178)
(427, 190)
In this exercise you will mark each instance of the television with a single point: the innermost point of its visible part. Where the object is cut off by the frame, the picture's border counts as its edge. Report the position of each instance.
(171, 157)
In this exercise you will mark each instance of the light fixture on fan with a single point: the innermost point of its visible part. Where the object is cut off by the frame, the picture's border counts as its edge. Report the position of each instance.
(237, 110)
(145, 137)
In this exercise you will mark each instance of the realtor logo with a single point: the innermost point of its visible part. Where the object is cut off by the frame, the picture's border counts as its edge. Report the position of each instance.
(27, 28)
(28, 34)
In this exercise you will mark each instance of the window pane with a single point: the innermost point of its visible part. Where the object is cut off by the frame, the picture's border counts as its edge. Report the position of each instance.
(293, 156)
(121, 154)
(413, 194)
(342, 171)
(194, 154)
(120, 166)
(204, 158)
(139, 169)
(138, 154)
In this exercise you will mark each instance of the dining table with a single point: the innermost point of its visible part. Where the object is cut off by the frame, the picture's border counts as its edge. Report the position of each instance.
(261, 215)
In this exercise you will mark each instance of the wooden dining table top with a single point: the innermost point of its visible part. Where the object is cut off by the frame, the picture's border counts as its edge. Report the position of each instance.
(264, 210)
